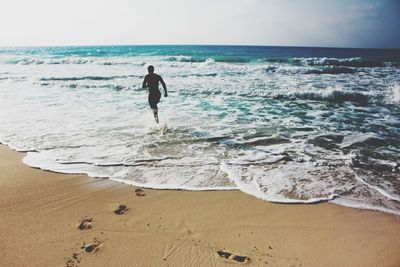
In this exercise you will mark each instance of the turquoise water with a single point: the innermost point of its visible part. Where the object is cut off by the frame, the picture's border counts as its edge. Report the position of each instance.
(285, 124)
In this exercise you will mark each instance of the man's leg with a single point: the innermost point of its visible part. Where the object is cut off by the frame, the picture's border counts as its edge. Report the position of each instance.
(155, 113)
(153, 101)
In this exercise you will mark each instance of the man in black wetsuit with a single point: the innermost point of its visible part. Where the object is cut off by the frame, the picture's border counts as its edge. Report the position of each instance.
(151, 81)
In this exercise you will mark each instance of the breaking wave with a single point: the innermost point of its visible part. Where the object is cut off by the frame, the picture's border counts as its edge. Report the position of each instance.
(324, 61)
(334, 96)
(307, 70)
(226, 59)
(348, 62)
(304, 127)
(94, 78)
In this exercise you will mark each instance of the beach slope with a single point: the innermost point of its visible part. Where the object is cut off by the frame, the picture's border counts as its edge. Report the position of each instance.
(40, 212)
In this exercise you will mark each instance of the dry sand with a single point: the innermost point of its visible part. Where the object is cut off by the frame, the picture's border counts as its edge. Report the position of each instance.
(40, 212)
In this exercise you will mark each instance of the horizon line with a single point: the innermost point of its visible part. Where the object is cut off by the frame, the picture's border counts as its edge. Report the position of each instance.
(164, 44)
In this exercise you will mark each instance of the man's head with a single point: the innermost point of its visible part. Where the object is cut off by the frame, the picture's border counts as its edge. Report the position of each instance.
(150, 69)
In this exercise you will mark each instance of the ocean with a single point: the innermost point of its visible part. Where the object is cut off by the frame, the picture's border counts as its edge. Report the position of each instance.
(284, 124)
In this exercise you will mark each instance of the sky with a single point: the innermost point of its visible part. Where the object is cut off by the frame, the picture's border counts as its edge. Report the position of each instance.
(331, 23)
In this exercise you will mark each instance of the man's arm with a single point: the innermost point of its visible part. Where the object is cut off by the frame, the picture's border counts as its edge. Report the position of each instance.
(144, 85)
(164, 86)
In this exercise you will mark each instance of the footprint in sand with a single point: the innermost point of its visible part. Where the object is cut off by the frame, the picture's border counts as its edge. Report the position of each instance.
(73, 261)
(139, 192)
(85, 224)
(92, 248)
(232, 257)
(121, 209)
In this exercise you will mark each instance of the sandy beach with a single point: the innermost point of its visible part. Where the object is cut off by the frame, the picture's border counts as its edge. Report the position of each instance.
(40, 213)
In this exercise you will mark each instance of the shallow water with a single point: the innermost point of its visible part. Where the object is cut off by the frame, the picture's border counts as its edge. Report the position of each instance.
(282, 124)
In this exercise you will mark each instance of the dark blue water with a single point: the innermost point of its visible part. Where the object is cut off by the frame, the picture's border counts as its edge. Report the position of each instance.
(218, 53)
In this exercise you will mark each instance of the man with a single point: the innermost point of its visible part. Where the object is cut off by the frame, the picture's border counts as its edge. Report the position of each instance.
(151, 81)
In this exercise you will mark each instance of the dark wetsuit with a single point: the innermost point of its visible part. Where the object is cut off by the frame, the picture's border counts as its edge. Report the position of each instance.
(151, 81)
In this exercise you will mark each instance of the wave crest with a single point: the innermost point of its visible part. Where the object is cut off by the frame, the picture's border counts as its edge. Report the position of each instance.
(93, 78)
(200, 59)
(331, 95)
(331, 61)
(348, 62)
(307, 70)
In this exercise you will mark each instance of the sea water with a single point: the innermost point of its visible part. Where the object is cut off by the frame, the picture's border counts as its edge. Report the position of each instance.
(285, 124)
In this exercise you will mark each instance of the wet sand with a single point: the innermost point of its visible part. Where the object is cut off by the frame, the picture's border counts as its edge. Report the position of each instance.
(40, 213)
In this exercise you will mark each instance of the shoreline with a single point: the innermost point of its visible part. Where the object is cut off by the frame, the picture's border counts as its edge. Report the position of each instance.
(40, 212)
(335, 199)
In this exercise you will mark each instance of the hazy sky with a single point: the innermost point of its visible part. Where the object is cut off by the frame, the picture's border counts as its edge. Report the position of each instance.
(345, 23)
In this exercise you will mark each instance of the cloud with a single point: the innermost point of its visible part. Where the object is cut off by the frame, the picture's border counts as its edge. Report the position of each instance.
(350, 23)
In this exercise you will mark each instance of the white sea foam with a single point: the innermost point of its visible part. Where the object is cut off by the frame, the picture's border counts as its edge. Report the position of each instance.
(354, 203)
(274, 131)
(393, 96)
